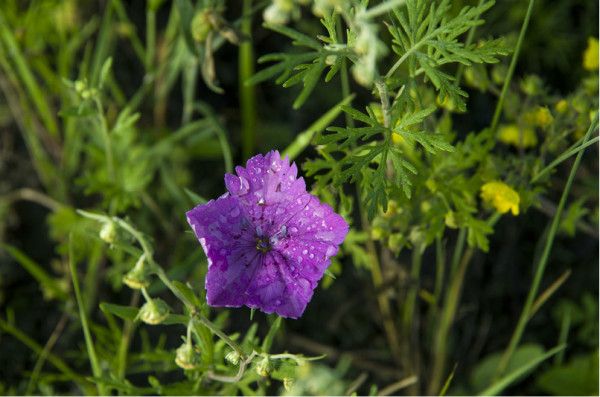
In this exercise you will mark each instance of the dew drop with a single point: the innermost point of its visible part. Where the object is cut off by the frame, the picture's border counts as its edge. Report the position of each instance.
(275, 166)
(325, 236)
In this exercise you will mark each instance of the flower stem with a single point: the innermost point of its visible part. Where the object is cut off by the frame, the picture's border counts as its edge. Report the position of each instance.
(511, 69)
(214, 329)
(96, 369)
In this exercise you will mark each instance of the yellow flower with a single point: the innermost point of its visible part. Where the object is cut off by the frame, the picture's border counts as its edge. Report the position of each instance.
(511, 135)
(590, 56)
(501, 196)
(543, 118)
(561, 106)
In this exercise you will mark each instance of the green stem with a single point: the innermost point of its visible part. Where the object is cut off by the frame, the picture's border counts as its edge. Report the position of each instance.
(411, 297)
(150, 38)
(382, 8)
(110, 167)
(345, 80)
(440, 261)
(215, 330)
(458, 250)
(511, 69)
(447, 318)
(123, 351)
(96, 369)
(247, 91)
(384, 305)
(541, 266)
(567, 153)
(39, 364)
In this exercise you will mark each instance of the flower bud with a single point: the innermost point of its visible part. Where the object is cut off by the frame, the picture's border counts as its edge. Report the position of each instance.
(108, 233)
(201, 26)
(377, 233)
(499, 73)
(79, 86)
(561, 106)
(532, 85)
(264, 367)
(187, 357)
(396, 242)
(450, 220)
(233, 357)
(154, 312)
(137, 277)
(288, 383)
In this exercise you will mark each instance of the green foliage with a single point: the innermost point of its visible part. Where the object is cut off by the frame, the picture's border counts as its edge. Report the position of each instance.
(114, 131)
(578, 377)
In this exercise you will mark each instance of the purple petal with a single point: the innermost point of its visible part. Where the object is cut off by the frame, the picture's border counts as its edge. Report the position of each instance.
(228, 241)
(275, 289)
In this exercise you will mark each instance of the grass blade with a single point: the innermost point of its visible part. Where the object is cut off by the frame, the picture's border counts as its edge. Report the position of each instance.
(502, 383)
(303, 139)
(96, 369)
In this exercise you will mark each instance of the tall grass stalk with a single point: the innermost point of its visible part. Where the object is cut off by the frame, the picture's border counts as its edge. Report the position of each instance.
(96, 369)
(511, 69)
(543, 261)
(247, 91)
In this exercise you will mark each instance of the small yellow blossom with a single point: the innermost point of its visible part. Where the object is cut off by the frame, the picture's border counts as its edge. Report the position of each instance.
(511, 135)
(543, 117)
(590, 56)
(561, 106)
(501, 196)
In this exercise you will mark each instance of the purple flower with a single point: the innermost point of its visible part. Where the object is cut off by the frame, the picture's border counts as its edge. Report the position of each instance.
(268, 241)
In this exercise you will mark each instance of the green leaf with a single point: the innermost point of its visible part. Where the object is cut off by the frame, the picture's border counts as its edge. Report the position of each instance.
(518, 373)
(299, 38)
(577, 377)
(268, 341)
(310, 78)
(187, 293)
(123, 312)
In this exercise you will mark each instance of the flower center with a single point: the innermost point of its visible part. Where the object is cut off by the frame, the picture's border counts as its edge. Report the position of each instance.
(263, 244)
